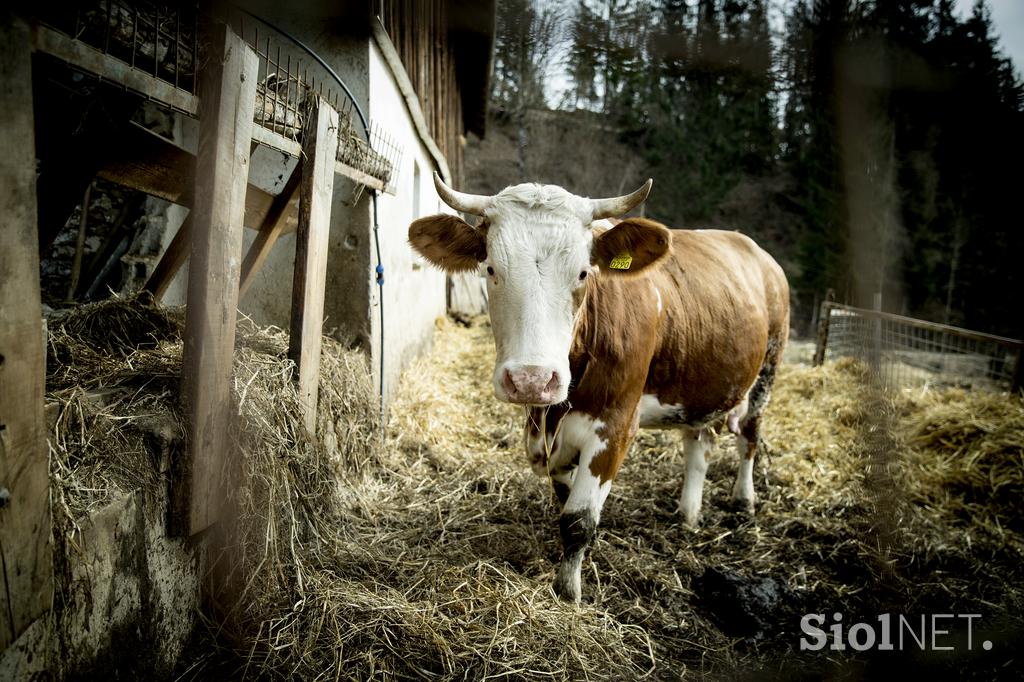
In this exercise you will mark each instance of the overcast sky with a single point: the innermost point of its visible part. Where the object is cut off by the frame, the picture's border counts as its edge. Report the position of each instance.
(1008, 17)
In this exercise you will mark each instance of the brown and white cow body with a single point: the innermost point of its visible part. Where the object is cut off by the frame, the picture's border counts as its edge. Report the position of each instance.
(602, 331)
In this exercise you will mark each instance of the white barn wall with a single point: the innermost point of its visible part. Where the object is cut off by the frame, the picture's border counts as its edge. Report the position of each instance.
(414, 292)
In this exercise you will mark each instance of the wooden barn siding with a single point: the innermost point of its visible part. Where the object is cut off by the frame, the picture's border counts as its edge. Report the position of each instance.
(419, 31)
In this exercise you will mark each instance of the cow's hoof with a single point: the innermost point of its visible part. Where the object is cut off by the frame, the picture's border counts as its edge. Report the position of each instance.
(743, 505)
(566, 592)
(692, 519)
(568, 583)
(691, 514)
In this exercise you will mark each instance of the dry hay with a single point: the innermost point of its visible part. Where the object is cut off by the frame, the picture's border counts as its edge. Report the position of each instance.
(111, 377)
(393, 564)
(430, 555)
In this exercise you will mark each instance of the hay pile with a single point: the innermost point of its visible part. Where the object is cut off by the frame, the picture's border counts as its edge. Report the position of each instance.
(430, 555)
(364, 560)
(111, 375)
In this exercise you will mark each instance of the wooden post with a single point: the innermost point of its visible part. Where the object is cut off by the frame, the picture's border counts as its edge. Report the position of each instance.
(875, 345)
(27, 567)
(319, 146)
(822, 342)
(226, 101)
(1015, 379)
(83, 228)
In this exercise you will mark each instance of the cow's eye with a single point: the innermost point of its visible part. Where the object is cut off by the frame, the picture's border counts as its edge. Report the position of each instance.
(583, 275)
(490, 271)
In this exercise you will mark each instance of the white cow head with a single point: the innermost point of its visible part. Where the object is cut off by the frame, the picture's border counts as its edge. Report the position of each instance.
(537, 249)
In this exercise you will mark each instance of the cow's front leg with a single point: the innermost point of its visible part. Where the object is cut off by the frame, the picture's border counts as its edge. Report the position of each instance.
(588, 487)
(695, 447)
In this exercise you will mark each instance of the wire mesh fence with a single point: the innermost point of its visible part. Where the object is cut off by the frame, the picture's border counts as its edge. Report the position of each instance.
(163, 40)
(290, 77)
(905, 352)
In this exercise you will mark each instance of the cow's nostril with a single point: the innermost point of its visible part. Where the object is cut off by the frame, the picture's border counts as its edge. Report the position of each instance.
(552, 383)
(509, 384)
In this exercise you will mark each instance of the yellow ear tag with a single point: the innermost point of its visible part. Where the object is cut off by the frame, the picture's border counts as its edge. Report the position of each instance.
(621, 262)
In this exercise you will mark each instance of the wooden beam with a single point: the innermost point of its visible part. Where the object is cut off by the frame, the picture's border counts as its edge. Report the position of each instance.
(112, 69)
(26, 570)
(319, 146)
(359, 176)
(174, 257)
(270, 230)
(268, 138)
(150, 163)
(227, 97)
(142, 160)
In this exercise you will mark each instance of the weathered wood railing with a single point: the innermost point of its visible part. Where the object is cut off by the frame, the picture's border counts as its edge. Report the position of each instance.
(905, 351)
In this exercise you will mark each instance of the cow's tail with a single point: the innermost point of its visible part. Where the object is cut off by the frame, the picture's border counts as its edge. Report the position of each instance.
(761, 391)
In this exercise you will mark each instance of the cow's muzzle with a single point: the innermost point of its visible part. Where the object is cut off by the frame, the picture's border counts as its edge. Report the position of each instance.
(531, 385)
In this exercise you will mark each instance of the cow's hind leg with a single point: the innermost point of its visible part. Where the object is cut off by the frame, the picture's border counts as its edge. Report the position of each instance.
(743, 496)
(747, 428)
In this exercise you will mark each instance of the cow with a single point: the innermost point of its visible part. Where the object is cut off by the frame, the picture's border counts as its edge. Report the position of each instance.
(600, 329)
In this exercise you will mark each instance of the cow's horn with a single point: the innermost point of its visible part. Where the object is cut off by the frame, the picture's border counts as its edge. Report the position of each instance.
(474, 204)
(616, 206)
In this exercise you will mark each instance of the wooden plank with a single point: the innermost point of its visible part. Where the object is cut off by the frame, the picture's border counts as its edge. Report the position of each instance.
(271, 229)
(112, 69)
(174, 257)
(83, 228)
(320, 143)
(27, 566)
(147, 162)
(142, 160)
(359, 176)
(227, 97)
(150, 163)
(269, 138)
(821, 342)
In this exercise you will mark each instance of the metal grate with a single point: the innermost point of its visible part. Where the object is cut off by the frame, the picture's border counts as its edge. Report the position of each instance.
(289, 78)
(904, 352)
(160, 39)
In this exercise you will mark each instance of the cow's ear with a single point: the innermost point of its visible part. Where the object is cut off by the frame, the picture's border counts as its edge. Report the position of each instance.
(631, 246)
(449, 242)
